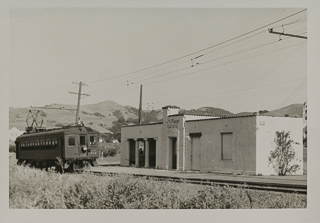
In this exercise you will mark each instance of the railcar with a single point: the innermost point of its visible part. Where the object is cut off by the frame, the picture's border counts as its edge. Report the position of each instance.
(67, 148)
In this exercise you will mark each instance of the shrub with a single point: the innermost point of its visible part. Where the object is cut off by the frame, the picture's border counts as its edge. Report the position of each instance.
(12, 148)
(85, 113)
(31, 188)
(98, 114)
(283, 157)
(113, 150)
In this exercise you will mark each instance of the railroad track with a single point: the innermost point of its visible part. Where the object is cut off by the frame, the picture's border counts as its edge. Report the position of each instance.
(276, 187)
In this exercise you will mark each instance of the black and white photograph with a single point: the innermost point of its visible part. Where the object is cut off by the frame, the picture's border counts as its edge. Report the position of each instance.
(158, 107)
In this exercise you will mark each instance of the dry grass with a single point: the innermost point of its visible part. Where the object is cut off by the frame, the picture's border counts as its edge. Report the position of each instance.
(33, 188)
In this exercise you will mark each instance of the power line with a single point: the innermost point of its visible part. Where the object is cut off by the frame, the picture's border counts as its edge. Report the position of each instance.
(173, 66)
(291, 96)
(224, 93)
(255, 55)
(265, 74)
(199, 51)
(195, 52)
(220, 65)
(52, 95)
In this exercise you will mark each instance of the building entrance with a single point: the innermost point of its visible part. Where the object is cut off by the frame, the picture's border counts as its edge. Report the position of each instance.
(195, 153)
(174, 152)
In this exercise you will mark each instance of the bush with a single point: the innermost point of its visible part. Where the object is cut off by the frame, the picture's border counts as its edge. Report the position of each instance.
(283, 158)
(110, 150)
(12, 148)
(99, 114)
(32, 188)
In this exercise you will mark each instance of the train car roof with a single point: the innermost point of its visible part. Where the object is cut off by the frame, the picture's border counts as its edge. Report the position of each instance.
(62, 131)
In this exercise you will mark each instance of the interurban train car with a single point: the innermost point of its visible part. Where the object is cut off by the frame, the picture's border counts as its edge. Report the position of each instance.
(70, 148)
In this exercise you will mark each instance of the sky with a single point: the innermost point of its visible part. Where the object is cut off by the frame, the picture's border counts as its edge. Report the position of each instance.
(188, 57)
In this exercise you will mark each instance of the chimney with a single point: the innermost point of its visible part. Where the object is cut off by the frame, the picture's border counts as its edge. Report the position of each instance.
(169, 110)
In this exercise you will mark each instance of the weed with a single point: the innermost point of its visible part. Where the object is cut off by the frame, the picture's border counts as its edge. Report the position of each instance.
(37, 189)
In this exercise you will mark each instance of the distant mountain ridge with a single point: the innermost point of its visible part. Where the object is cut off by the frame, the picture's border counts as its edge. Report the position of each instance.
(102, 116)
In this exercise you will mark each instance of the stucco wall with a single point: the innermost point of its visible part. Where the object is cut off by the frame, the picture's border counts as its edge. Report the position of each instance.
(266, 133)
(243, 134)
(142, 132)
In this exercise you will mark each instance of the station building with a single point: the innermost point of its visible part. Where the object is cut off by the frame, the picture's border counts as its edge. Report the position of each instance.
(238, 144)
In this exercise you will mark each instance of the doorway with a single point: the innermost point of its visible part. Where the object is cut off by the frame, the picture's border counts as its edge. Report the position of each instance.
(174, 152)
(195, 153)
(152, 153)
(132, 151)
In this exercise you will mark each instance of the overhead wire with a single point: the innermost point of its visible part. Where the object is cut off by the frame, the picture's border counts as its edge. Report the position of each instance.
(248, 57)
(291, 96)
(264, 75)
(199, 51)
(245, 96)
(49, 96)
(170, 67)
(287, 71)
(222, 64)
(216, 95)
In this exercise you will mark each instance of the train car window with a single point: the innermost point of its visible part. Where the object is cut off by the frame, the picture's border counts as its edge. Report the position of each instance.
(48, 143)
(71, 141)
(82, 140)
(42, 144)
(54, 143)
(31, 144)
(93, 140)
(36, 143)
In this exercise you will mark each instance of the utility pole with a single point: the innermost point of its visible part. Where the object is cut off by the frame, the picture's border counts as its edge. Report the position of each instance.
(79, 97)
(286, 34)
(140, 105)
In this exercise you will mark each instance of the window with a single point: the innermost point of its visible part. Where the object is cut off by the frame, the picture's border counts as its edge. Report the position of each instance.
(42, 144)
(227, 146)
(48, 143)
(93, 140)
(54, 142)
(82, 140)
(36, 144)
(71, 141)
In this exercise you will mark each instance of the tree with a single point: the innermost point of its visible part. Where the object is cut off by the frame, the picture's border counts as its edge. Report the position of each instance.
(283, 157)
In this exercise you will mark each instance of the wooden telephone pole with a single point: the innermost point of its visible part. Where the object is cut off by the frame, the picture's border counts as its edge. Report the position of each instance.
(79, 97)
(140, 105)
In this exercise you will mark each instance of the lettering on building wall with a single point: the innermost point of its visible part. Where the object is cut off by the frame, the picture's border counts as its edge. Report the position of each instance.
(172, 123)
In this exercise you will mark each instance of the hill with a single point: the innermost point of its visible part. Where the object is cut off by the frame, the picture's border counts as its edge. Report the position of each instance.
(105, 115)
(208, 111)
(98, 116)
(294, 110)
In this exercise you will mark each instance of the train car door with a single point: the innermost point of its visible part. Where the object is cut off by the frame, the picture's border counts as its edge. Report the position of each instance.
(72, 146)
(83, 145)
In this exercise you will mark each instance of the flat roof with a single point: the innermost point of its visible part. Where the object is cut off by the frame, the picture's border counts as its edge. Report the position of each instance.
(222, 117)
(156, 123)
